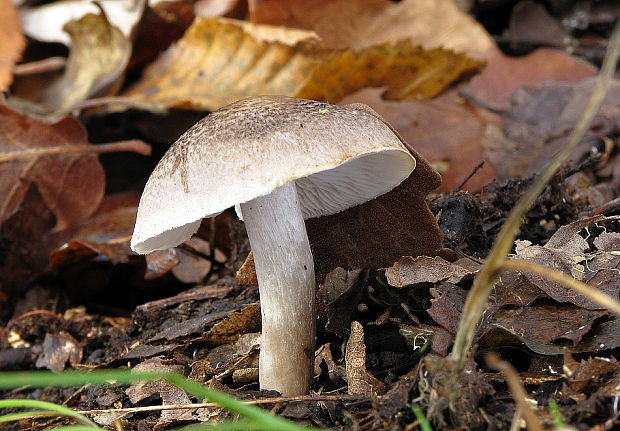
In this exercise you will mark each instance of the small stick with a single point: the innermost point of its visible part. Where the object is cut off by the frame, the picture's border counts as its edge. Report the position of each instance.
(50, 64)
(469, 177)
(134, 145)
(274, 400)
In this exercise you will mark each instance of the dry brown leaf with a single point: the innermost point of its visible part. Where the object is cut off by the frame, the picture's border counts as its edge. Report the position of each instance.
(566, 251)
(545, 323)
(338, 297)
(247, 273)
(58, 350)
(504, 74)
(162, 24)
(422, 269)
(447, 305)
(236, 62)
(99, 54)
(169, 393)
(105, 234)
(59, 160)
(361, 23)
(230, 328)
(72, 184)
(530, 23)
(13, 42)
(539, 122)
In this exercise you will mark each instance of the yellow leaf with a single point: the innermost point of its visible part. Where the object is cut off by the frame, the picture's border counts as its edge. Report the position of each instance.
(219, 61)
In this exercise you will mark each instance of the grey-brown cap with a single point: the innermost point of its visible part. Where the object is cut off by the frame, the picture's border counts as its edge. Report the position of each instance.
(339, 157)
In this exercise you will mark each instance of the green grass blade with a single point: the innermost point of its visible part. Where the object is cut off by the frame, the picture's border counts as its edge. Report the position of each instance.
(419, 415)
(558, 420)
(258, 417)
(50, 407)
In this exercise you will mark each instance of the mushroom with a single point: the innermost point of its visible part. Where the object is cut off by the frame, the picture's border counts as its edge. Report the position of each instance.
(278, 160)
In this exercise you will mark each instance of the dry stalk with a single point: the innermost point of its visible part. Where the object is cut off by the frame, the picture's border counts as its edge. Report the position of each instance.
(589, 292)
(483, 284)
(516, 389)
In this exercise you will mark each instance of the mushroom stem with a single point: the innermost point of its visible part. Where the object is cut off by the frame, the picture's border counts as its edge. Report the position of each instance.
(285, 273)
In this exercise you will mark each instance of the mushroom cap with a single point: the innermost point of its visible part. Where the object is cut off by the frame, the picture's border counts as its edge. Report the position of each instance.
(338, 156)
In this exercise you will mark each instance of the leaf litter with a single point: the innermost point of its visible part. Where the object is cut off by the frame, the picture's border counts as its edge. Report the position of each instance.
(393, 273)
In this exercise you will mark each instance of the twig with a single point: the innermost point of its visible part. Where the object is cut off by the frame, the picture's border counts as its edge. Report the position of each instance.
(156, 108)
(469, 177)
(579, 287)
(134, 145)
(487, 277)
(606, 207)
(50, 64)
(274, 400)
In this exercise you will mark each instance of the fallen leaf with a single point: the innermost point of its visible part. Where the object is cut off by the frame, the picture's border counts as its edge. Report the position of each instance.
(54, 157)
(587, 372)
(247, 273)
(169, 393)
(191, 268)
(58, 350)
(106, 233)
(423, 269)
(99, 54)
(160, 262)
(538, 125)
(59, 160)
(515, 289)
(13, 42)
(546, 323)
(338, 298)
(566, 252)
(22, 256)
(324, 361)
(503, 74)
(235, 324)
(237, 62)
(530, 23)
(359, 379)
(162, 24)
(447, 305)
(361, 23)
